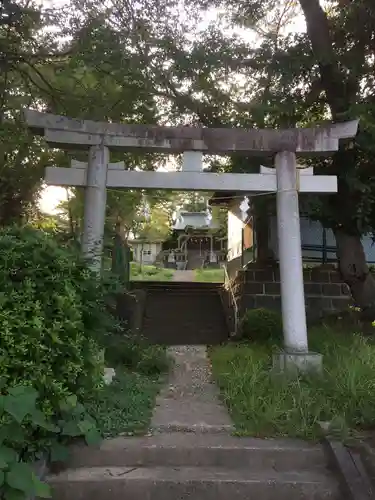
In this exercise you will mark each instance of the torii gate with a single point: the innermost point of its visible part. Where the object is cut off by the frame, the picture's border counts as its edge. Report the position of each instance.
(98, 138)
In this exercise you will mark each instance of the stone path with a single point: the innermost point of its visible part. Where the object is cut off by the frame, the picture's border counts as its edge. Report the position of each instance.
(184, 276)
(189, 402)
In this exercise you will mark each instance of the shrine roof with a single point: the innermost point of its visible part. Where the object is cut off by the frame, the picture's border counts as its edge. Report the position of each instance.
(195, 220)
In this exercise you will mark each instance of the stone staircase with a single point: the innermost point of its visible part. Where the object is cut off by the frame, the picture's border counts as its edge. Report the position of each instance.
(180, 313)
(178, 466)
(190, 454)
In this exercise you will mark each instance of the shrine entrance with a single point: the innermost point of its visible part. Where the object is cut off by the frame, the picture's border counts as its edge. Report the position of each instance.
(286, 180)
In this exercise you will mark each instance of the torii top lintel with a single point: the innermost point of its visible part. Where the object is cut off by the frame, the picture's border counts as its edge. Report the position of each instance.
(69, 133)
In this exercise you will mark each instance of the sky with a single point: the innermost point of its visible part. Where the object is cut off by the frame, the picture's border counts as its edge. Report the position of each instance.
(51, 196)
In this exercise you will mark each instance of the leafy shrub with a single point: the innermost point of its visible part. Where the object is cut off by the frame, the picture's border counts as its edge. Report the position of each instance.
(135, 353)
(261, 325)
(152, 271)
(153, 361)
(53, 315)
(22, 423)
(52, 312)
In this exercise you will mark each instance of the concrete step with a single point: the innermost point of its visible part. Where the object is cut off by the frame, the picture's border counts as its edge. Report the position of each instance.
(176, 285)
(178, 294)
(166, 338)
(215, 317)
(185, 329)
(196, 483)
(197, 450)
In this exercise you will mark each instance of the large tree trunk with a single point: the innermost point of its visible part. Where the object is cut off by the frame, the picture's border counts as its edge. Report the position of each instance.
(354, 269)
(340, 90)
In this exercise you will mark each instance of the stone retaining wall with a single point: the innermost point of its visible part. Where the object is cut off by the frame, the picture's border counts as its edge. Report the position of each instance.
(260, 287)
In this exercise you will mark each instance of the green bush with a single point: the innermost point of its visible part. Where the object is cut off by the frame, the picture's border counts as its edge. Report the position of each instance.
(151, 271)
(154, 360)
(261, 325)
(135, 353)
(53, 316)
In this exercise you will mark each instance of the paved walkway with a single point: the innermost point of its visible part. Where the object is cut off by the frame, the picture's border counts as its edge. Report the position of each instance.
(184, 276)
(189, 402)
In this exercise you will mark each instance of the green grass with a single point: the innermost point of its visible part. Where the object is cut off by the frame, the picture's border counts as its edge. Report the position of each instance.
(149, 273)
(264, 405)
(210, 275)
(126, 405)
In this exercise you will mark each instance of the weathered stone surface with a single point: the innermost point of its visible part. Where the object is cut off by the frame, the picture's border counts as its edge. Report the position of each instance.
(109, 374)
(294, 363)
(162, 483)
(332, 289)
(201, 450)
(324, 292)
(268, 301)
(319, 275)
(65, 132)
(189, 402)
(256, 288)
(269, 288)
(205, 466)
(313, 289)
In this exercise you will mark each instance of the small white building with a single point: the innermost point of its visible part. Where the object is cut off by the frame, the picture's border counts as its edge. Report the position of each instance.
(145, 251)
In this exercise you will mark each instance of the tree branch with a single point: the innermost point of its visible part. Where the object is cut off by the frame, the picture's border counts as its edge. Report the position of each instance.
(334, 81)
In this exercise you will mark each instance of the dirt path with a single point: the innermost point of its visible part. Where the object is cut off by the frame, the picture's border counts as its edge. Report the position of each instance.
(189, 402)
(184, 276)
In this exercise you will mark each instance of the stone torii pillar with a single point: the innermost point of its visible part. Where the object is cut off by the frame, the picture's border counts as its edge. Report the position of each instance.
(290, 252)
(95, 171)
(289, 179)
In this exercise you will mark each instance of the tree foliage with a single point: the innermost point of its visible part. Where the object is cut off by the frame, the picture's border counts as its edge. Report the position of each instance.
(162, 62)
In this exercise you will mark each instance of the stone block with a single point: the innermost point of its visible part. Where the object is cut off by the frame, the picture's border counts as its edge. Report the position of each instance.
(264, 275)
(319, 275)
(334, 277)
(319, 303)
(268, 301)
(272, 288)
(294, 363)
(254, 288)
(247, 302)
(109, 374)
(313, 289)
(332, 289)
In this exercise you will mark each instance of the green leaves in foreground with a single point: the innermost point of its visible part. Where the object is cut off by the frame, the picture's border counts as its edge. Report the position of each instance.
(21, 478)
(20, 420)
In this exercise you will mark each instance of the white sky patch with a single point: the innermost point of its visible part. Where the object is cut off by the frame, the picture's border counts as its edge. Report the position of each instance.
(50, 198)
